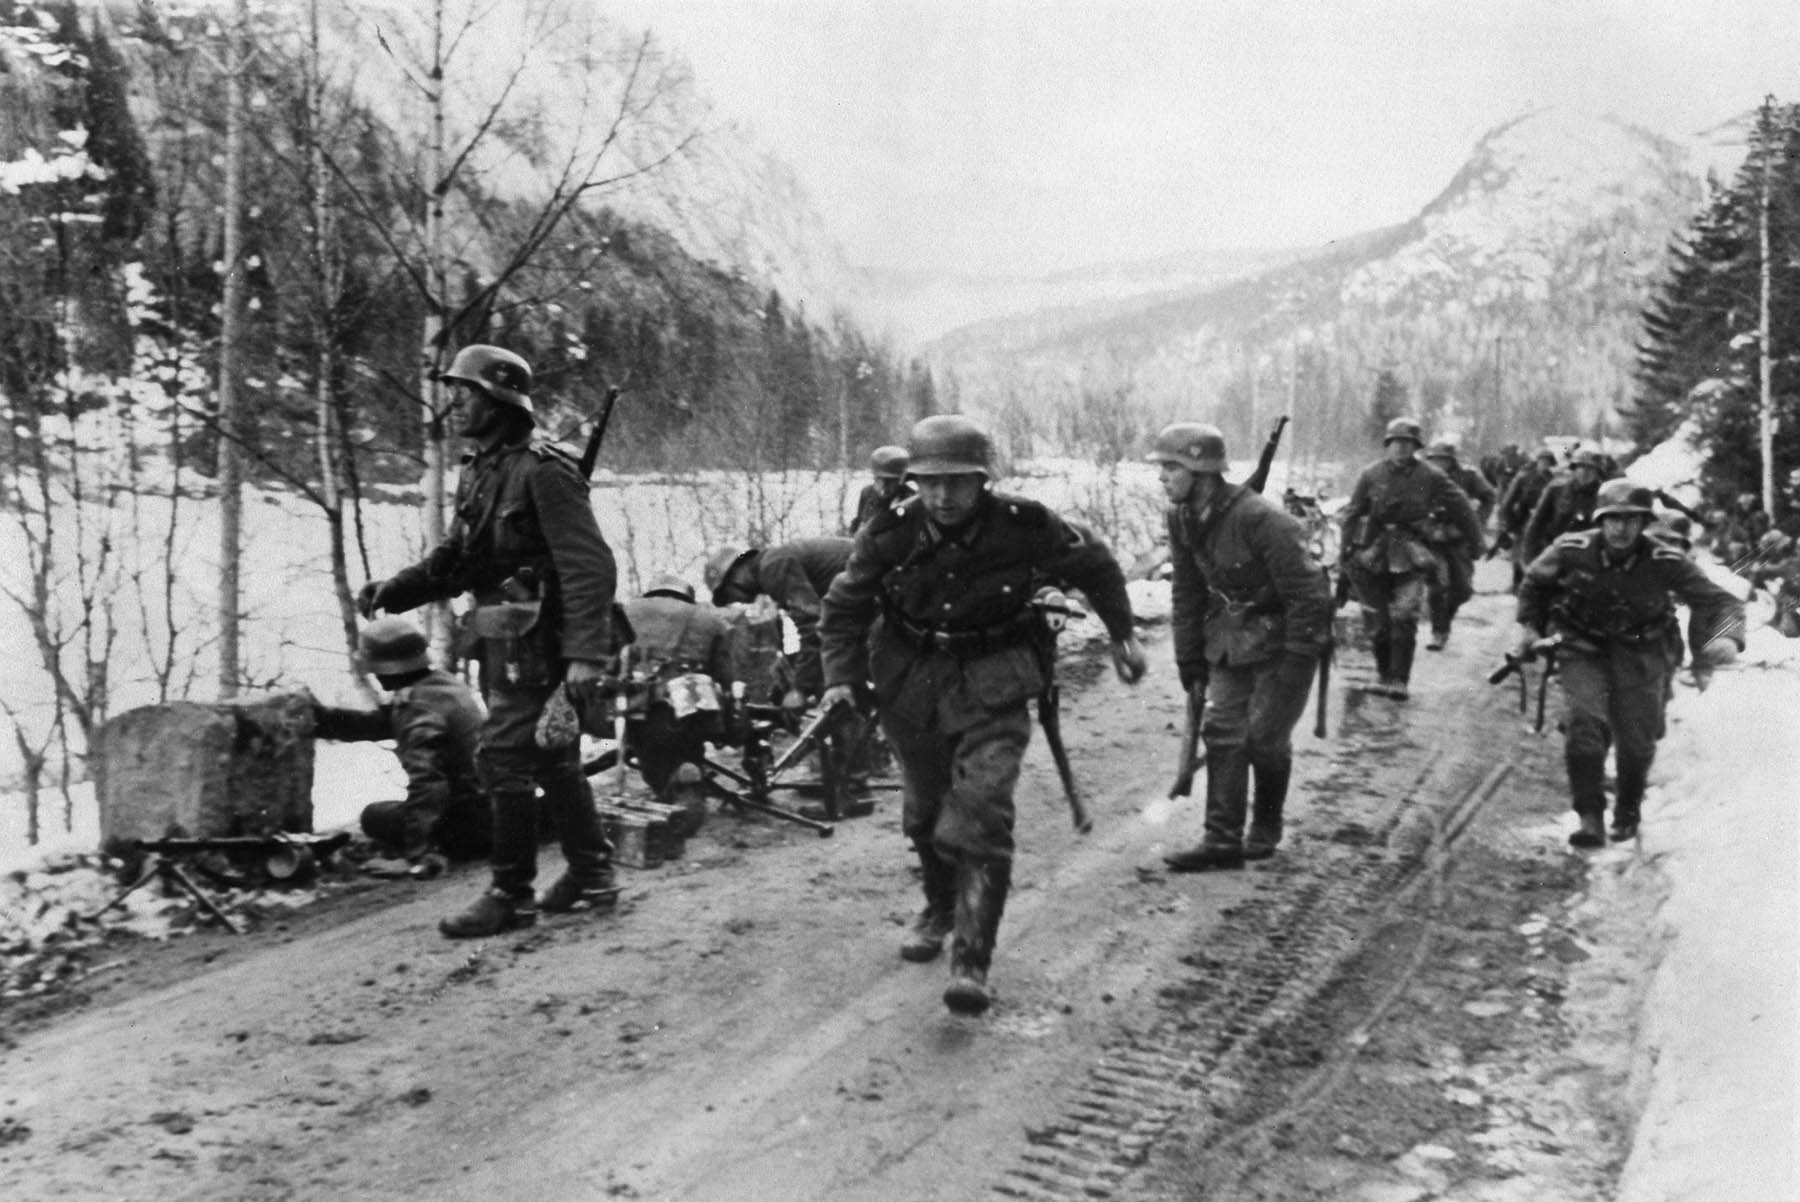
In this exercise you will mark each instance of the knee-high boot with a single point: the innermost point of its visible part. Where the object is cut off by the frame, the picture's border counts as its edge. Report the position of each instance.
(1265, 810)
(981, 888)
(1587, 794)
(938, 919)
(1227, 794)
(1634, 779)
(570, 801)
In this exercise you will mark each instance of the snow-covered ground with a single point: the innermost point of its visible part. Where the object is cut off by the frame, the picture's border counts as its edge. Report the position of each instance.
(1719, 1036)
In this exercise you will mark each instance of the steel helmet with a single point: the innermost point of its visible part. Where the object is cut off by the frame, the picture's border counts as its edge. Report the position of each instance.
(949, 444)
(496, 371)
(888, 462)
(1442, 450)
(1623, 497)
(1404, 427)
(670, 585)
(1588, 458)
(1194, 445)
(721, 565)
(392, 646)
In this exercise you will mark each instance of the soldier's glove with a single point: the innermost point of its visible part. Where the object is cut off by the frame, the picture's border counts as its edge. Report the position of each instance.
(837, 694)
(371, 597)
(1192, 673)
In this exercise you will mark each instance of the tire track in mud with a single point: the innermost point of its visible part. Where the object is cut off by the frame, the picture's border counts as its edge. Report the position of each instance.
(1381, 821)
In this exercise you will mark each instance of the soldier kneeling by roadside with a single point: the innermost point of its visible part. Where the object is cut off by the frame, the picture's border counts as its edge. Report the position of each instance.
(435, 722)
(681, 673)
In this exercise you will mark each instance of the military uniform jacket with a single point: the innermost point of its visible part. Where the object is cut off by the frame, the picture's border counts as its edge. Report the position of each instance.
(1521, 499)
(1576, 590)
(435, 724)
(797, 576)
(973, 586)
(523, 516)
(1481, 494)
(869, 502)
(1245, 587)
(1565, 506)
(1386, 521)
(673, 637)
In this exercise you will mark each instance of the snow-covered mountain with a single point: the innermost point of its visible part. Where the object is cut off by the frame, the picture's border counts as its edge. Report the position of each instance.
(1508, 300)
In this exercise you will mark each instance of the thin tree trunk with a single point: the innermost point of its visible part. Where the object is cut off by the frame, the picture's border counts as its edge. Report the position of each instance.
(230, 332)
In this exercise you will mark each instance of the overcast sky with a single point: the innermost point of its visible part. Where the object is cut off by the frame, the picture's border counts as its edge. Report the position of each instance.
(1005, 135)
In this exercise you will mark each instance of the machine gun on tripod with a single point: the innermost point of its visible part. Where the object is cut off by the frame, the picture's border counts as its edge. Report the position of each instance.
(279, 858)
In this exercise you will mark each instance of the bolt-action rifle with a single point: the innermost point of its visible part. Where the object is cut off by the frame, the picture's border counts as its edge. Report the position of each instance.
(1266, 460)
(1055, 610)
(590, 454)
(1193, 752)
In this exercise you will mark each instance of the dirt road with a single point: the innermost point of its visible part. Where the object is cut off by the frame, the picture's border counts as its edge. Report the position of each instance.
(1402, 1004)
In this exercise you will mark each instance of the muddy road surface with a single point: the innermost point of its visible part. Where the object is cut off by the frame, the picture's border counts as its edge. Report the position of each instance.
(1400, 1005)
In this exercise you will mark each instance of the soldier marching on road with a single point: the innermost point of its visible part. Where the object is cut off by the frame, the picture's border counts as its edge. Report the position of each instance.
(524, 542)
(1251, 615)
(956, 653)
(1449, 590)
(1384, 549)
(1605, 595)
(1566, 504)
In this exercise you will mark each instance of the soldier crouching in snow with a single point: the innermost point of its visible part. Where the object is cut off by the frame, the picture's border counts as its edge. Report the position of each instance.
(435, 723)
(955, 655)
(1605, 594)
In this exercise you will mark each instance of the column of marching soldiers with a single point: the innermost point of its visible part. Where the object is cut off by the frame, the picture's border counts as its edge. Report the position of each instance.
(929, 619)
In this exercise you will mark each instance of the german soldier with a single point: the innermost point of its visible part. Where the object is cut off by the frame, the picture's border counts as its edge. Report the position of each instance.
(1447, 591)
(525, 544)
(887, 467)
(1384, 548)
(795, 576)
(1606, 594)
(435, 723)
(682, 652)
(1567, 504)
(1517, 504)
(1251, 604)
(955, 654)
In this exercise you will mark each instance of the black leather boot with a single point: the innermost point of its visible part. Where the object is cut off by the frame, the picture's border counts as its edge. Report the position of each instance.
(925, 939)
(1265, 811)
(1587, 794)
(981, 888)
(1227, 793)
(570, 801)
(1400, 664)
(1634, 779)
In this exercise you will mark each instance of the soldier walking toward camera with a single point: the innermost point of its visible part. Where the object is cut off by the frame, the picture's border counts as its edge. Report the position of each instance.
(1567, 504)
(1606, 594)
(1447, 591)
(888, 467)
(1384, 547)
(795, 576)
(435, 723)
(525, 544)
(1517, 504)
(956, 653)
(1251, 615)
